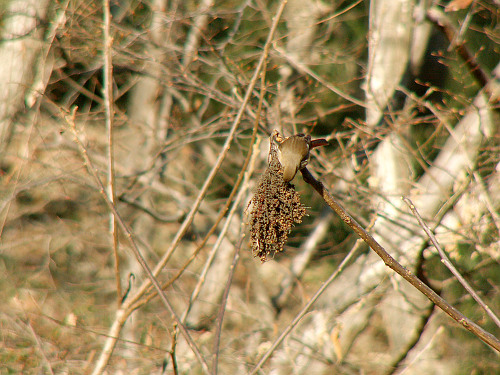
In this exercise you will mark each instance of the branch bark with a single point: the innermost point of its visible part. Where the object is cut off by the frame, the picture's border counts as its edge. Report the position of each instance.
(389, 261)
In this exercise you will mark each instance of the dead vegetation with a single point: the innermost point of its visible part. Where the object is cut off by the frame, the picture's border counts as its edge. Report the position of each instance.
(153, 153)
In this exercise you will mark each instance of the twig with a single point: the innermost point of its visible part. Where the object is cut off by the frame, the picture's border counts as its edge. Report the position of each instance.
(301, 261)
(45, 59)
(222, 308)
(389, 261)
(155, 215)
(109, 114)
(447, 262)
(172, 351)
(305, 70)
(193, 37)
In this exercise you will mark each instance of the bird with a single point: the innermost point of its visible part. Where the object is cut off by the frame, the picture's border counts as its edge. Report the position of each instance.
(293, 153)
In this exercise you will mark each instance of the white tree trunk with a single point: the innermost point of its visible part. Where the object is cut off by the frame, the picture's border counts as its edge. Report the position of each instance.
(21, 43)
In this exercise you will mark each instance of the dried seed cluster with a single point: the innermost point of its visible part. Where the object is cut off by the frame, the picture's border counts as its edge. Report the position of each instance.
(275, 208)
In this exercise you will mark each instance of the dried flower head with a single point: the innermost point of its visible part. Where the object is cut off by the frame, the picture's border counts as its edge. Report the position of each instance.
(275, 208)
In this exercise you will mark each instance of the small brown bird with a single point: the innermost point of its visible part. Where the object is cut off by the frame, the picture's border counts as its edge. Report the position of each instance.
(293, 153)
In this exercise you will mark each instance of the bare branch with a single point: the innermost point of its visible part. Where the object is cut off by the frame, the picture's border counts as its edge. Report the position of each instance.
(389, 261)
(447, 262)
(109, 114)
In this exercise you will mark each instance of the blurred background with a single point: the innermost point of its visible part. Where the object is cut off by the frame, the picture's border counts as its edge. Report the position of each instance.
(405, 91)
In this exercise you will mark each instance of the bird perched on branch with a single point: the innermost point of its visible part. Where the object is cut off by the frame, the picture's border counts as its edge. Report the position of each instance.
(294, 153)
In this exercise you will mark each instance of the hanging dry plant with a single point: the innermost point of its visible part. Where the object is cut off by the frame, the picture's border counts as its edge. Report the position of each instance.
(275, 208)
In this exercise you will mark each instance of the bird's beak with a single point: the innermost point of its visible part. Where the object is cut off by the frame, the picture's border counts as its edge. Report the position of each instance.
(318, 142)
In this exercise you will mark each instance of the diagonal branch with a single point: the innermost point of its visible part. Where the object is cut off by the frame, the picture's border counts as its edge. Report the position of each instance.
(389, 261)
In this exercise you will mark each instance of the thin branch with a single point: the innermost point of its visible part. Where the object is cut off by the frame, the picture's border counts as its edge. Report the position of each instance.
(447, 262)
(174, 218)
(222, 308)
(389, 261)
(173, 357)
(193, 37)
(109, 114)
(305, 70)
(45, 60)
(302, 260)
(254, 145)
(305, 309)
